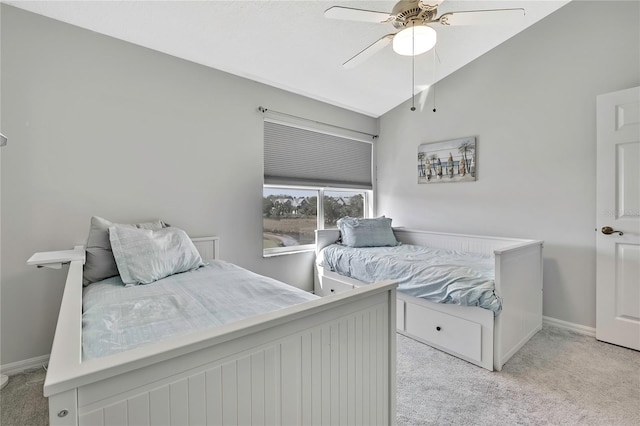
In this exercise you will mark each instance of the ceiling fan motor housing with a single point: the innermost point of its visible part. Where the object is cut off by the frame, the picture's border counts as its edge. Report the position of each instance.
(410, 12)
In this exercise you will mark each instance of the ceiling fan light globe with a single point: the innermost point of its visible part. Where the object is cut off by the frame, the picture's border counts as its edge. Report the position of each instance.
(414, 40)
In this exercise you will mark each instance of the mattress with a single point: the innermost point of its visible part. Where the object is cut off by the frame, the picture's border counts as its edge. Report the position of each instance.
(118, 318)
(437, 275)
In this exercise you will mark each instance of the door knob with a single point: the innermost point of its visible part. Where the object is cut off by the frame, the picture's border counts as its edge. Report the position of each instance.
(607, 230)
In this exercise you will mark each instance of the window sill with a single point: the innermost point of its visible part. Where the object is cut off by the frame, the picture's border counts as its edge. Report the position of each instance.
(288, 252)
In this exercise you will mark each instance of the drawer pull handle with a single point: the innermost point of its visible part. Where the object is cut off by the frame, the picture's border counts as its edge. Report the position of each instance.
(438, 328)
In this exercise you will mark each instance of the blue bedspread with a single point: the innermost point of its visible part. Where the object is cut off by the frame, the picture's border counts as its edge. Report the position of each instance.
(117, 318)
(442, 276)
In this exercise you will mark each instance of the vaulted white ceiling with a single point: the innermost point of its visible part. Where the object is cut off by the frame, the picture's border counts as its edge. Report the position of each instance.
(291, 45)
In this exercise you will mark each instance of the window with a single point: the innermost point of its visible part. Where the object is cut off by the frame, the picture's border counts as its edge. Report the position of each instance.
(311, 179)
(290, 215)
(337, 204)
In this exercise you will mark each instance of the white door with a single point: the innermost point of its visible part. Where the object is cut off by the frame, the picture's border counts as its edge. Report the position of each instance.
(618, 218)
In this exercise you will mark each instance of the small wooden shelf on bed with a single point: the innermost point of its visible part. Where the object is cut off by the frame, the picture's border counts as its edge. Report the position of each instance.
(55, 259)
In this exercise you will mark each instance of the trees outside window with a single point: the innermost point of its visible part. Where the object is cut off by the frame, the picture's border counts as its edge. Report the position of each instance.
(290, 215)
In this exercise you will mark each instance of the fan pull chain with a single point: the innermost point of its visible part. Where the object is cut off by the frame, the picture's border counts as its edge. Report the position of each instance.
(413, 83)
(435, 56)
(413, 69)
(434, 98)
(435, 53)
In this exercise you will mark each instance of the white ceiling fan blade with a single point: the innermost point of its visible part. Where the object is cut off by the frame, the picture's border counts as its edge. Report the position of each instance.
(484, 17)
(351, 14)
(429, 4)
(368, 52)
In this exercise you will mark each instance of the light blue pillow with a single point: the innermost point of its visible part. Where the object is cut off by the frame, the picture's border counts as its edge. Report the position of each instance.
(100, 263)
(366, 232)
(144, 256)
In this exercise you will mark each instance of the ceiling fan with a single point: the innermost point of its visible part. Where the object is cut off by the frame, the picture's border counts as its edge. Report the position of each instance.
(413, 19)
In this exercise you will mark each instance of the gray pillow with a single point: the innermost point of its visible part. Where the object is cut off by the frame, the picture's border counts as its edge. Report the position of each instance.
(99, 263)
(144, 256)
(366, 232)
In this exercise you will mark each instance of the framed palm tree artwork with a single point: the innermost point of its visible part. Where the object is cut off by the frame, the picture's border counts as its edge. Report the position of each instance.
(447, 161)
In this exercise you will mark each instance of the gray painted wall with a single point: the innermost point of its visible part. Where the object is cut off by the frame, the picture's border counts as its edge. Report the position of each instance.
(531, 102)
(102, 127)
(93, 120)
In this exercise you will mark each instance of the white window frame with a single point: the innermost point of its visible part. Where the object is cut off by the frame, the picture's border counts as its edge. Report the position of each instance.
(279, 251)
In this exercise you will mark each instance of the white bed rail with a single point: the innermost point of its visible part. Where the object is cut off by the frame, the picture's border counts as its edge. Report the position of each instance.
(463, 242)
(66, 351)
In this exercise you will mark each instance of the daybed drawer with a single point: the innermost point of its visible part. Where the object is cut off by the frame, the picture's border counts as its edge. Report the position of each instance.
(330, 287)
(452, 333)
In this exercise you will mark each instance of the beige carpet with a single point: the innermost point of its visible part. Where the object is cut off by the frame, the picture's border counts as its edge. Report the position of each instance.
(22, 402)
(558, 378)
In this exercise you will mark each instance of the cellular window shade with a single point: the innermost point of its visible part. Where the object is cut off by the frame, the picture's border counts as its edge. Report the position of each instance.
(294, 156)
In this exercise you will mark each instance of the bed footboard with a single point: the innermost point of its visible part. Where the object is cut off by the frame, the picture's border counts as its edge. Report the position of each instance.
(328, 361)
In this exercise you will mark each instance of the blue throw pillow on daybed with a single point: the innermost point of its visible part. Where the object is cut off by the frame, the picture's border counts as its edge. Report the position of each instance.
(366, 232)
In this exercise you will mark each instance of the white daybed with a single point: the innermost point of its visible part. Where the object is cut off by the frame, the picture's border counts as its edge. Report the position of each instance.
(326, 361)
(468, 332)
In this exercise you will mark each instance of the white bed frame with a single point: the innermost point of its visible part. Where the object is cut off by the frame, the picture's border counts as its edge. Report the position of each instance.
(325, 362)
(468, 332)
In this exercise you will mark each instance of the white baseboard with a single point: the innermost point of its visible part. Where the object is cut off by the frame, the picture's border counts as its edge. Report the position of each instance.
(582, 329)
(21, 366)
